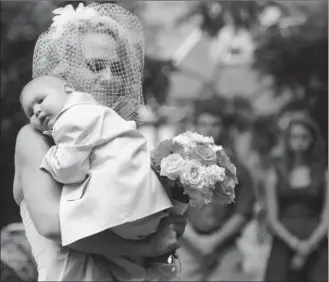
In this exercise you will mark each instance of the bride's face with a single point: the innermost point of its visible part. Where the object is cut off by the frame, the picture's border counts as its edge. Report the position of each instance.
(101, 69)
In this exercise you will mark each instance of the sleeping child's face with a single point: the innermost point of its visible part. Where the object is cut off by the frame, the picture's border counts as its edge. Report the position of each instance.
(43, 99)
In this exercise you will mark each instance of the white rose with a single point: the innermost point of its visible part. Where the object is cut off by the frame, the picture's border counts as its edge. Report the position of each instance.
(198, 138)
(193, 175)
(172, 166)
(182, 140)
(214, 174)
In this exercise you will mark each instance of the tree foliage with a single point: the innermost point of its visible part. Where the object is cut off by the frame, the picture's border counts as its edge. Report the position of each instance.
(293, 51)
(296, 56)
(215, 14)
(297, 59)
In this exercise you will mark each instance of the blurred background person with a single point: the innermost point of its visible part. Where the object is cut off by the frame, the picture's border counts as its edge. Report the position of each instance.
(208, 251)
(17, 262)
(255, 242)
(297, 205)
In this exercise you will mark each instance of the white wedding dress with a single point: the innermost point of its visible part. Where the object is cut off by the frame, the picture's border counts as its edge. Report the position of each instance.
(57, 263)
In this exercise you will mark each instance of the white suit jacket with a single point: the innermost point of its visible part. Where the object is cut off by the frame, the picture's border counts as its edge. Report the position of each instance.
(104, 164)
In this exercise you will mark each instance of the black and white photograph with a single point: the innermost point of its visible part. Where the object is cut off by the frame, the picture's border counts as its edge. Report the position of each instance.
(164, 140)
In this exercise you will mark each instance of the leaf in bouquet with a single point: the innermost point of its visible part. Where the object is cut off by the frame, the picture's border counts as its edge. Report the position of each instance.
(223, 158)
(160, 151)
(178, 149)
(200, 199)
(167, 184)
(224, 161)
(222, 200)
(178, 192)
(235, 179)
(224, 190)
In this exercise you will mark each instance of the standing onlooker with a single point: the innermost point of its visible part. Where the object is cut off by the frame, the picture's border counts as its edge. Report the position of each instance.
(255, 241)
(209, 240)
(297, 205)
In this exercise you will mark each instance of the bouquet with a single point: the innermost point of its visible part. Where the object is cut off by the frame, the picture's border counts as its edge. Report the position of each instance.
(194, 170)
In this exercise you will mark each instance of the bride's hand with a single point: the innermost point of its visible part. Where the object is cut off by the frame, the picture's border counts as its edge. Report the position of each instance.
(179, 222)
(166, 237)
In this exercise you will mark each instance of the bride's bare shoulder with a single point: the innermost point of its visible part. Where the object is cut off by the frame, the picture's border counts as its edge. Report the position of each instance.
(29, 139)
(25, 133)
(30, 146)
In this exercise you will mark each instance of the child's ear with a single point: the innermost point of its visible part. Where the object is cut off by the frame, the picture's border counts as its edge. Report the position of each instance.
(68, 88)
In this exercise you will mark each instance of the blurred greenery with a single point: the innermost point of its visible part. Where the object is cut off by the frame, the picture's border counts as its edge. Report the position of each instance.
(292, 51)
(215, 14)
(297, 59)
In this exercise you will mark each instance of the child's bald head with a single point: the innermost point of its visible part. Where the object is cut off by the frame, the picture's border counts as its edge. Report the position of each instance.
(44, 82)
(43, 98)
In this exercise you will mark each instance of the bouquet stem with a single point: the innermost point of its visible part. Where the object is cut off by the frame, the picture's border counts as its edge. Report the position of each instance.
(167, 261)
(179, 207)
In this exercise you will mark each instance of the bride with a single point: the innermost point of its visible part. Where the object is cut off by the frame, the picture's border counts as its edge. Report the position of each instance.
(99, 61)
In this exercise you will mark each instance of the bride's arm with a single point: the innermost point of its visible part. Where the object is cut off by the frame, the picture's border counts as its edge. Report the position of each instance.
(41, 192)
(42, 196)
(110, 245)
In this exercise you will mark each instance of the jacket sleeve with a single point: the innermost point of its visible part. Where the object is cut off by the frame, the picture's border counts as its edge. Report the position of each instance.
(76, 133)
(67, 164)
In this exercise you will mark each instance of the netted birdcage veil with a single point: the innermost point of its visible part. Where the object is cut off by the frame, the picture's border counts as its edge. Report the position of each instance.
(109, 65)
